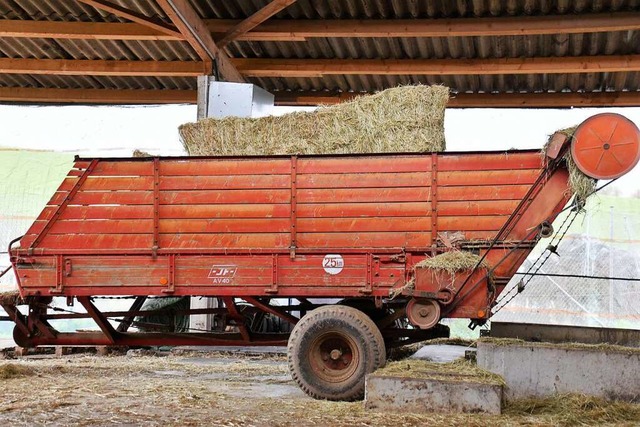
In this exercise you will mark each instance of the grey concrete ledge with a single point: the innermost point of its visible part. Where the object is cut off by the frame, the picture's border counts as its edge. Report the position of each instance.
(417, 395)
(544, 369)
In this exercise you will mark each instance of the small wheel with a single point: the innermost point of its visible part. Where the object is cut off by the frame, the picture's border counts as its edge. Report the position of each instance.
(330, 351)
(424, 314)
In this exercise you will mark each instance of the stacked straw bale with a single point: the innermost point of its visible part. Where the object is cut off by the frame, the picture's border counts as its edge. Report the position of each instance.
(454, 262)
(401, 119)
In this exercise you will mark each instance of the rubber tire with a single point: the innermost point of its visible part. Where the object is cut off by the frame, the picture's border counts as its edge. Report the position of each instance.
(350, 322)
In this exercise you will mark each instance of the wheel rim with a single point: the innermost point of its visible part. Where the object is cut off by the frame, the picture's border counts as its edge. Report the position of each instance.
(334, 356)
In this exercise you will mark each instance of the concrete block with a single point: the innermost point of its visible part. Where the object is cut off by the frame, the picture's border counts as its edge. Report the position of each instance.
(20, 351)
(564, 333)
(401, 394)
(542, 369)
(62, 351)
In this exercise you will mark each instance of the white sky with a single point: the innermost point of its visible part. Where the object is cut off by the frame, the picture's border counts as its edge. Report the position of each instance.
(116, 131)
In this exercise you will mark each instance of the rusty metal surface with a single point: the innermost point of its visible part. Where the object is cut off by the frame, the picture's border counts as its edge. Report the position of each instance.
(611, 43)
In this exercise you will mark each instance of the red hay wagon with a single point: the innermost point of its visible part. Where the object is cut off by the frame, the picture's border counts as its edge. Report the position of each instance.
(250, 230)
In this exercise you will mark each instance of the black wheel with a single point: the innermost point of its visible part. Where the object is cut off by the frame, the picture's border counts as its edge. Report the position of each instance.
(331, 349)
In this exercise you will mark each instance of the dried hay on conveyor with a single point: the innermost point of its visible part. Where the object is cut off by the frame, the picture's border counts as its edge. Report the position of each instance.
(454, 262)
(401, 119)
(581, 185)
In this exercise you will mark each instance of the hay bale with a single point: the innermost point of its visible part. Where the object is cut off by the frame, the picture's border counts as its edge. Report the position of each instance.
(458, 370)
(401, 119)
(580, 184)
(11, 370)
(140, 153)
(453, 262)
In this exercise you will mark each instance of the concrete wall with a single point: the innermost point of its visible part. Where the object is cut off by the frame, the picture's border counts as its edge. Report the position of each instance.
(416, 395)
(536, 369)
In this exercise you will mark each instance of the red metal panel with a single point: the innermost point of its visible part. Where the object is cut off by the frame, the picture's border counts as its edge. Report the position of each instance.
(363, 180)
(355, 210)
(334, 225)
(213, 166)
(222, 182)
(224, 196)
(364, 240)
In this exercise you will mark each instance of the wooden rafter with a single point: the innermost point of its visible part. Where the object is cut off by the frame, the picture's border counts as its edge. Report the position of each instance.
(96, 96)
(75, 67)
(483, 100)
(300, 30)
(191, 26)
(254, 20)
(133, 16)
(297, 30)
(465, 100)
(82, 30)
(491, 66)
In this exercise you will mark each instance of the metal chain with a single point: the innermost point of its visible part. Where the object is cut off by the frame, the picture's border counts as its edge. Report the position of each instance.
(551, 248)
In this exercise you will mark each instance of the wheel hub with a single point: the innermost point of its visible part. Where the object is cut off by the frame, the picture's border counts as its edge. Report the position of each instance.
(424, 314)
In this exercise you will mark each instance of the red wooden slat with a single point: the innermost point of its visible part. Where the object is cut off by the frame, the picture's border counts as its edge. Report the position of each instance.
(111, 226)
(123, 168)
(108, 198)
(221, 182)
(225, 211)
(339, 210)
(499, 177)
(363, 180)
(466, 208)
(489, 161)
(216, 241)
(101, 212)
(496, 192)
(471, 223)
(381, 195)
(205, 167)
(273, 225)
(224, 196)
(364, 164)
(333, 225)
(363, 239)
(111, 183)
(100, 241)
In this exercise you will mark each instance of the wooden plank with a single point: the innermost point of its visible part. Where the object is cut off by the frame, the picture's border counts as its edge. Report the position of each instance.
(121, 168)
(474, 223)
(134, 16)
(101, 241)
(220, 226)
(364, 164)
(301, 29)
(222, 182)
(231, 241)
(94, 183)
(99, 67)
(355, 210)
(100, 212)
(194, 30)
(350, 195)
(216, 167)
(363, 240)
(83, 30)
(496, 192)
(363, 180)
(489, 161)
(252, 67)
(224, 196)
(111, 226)
(254, 20)
(498, 177)
(97, 96)
(108, 198)
(225, 211)
(473, 208)
(348, 225)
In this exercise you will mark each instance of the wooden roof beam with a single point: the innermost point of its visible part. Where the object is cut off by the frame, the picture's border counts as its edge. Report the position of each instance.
(191, 26)
(492, 66)
(76, 67)
(464, 100)
(254, 20)
(82, 30)
(481, 100)
(96, 96)
(297, 30)
(136, 17)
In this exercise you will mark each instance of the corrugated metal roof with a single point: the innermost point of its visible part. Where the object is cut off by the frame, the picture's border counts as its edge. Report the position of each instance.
(612, 43)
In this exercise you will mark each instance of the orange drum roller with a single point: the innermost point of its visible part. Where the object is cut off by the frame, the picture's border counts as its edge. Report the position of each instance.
(606, 146)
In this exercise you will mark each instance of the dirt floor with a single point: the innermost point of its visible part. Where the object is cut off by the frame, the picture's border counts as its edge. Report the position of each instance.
(224, 390)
